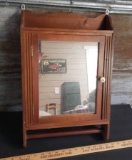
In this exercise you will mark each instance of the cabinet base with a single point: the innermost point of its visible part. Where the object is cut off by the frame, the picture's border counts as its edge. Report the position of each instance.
(30, 134)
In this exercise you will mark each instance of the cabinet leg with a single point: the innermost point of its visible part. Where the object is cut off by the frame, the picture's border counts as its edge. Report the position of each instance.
(106, 131)
(24, 139)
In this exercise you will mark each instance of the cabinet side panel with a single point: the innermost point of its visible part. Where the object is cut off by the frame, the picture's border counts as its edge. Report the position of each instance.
(110, 75)
(27, 78)
(107, 75)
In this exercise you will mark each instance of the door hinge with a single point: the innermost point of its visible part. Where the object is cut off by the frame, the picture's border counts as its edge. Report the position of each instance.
(32, 51)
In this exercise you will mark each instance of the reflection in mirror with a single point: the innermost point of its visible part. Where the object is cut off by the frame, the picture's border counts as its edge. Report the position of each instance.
(67, 77)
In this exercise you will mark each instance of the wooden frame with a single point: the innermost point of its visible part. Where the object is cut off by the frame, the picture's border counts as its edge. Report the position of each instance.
(33, 31)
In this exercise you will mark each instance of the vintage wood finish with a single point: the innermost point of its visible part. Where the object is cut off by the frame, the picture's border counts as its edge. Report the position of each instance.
(66, 133)
(35, 79)
(64, 20)
(106, 87)
(27, 82)
(64, 27)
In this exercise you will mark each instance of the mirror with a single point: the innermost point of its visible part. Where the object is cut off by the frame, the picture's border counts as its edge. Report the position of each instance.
(67, 77)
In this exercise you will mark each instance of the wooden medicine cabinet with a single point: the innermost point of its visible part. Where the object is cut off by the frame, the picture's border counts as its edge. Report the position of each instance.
(66, 74)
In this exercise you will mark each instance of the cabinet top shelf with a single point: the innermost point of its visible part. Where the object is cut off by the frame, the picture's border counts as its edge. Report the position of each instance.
(65, 20)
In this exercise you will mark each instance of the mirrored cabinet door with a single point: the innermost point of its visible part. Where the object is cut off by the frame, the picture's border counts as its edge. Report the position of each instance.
(67, 77)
